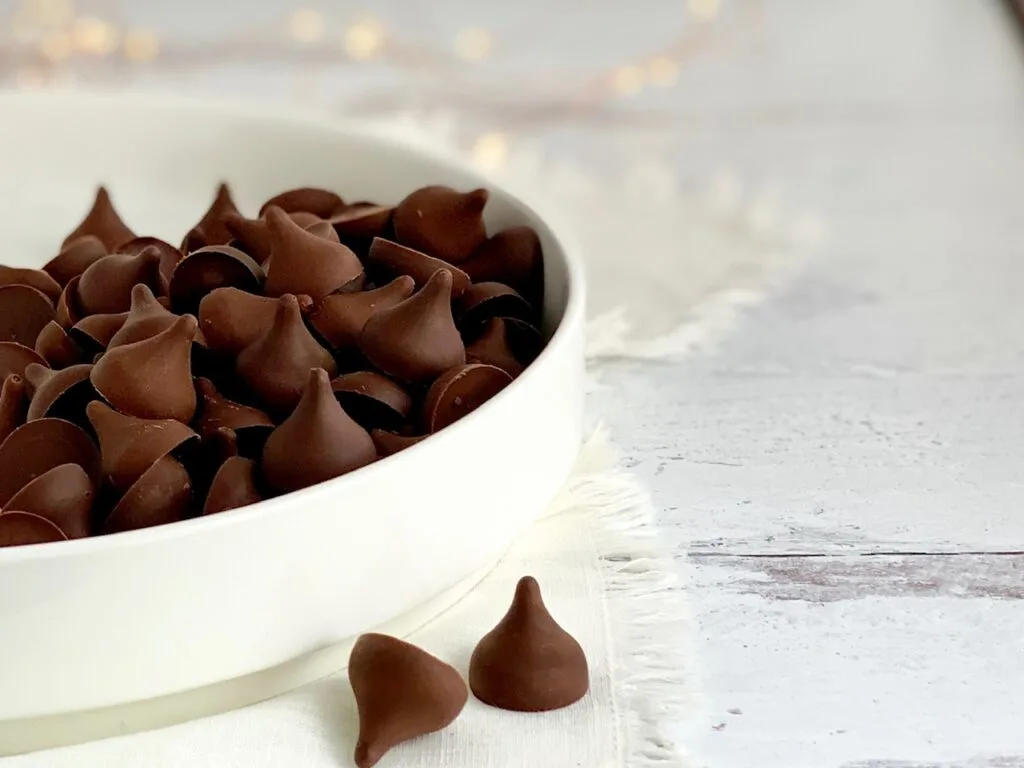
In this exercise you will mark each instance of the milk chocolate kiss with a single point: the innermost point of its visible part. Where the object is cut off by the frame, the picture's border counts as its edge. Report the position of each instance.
(64, 495)
(162, 495)
(62, 393)
(391, 259)
(103, 222)
(482, 301)
(24, 312)
(251, 426)
(69, 310)
(317, 442)
(301, 262)
(442, 222)
(39, 446)
(503, 344)
(513, 257)
(276, 366)
(459, 391)
(209, 268)
(359, 223)
(322, 203)
(129, 446)
(93, 333)
(211, 229)
(15, 358)
(55, 346)
(152, 378)
(23, 528)
(146, 318)
(253, 235)
(233, 486)
(401, 692)
(388, 443)
(231, 320)
(13, 404)
(169, 255)
(415, 340)
(74, 258)
(528, 663)
(106, 286)
(372, 400)
(34, 278)
(340, 318)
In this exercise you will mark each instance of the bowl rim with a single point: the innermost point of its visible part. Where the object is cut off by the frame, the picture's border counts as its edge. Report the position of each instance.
(303, 118)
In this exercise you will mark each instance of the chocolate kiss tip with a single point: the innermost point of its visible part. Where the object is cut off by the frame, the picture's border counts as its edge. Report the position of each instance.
(528, 663)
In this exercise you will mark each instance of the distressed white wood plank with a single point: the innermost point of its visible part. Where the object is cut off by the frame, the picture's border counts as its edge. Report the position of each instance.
(881, 662)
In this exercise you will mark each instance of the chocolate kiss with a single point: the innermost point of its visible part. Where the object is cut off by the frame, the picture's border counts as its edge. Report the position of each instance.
(152, 378)
(372, 400)
(301, 262)
(38, 447)
(69, 309)
(64, 496)
(231, 319)
(217, 412)
(361, 222)
(513, 256)
(233, 486)
(528, 663)
(51, 387)
(460, 391)
(482, 301)
(401, 692)
(317, 442)
(24, 312)
(415, 340)
(442, 222)
(13, 404)
(129, 446)
(162, 495)
(210, 268)
(56, 347)
(393, 259)
(169, 255)
(75, 258)
(34, 278)
(276, 365)
(320, 202)
(23, 528)
(93, 333)
(388, 443)
(323, 229)
(211, 229)
(106, 286)
(495, 347)
(145, 319)
(15, 358)
(339, 318)
(252, 235)
(103, 222)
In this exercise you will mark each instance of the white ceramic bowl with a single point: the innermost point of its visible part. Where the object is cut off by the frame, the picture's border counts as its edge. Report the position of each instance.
(100, 622)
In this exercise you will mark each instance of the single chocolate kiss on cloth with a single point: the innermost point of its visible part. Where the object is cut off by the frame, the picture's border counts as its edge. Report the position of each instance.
(276, 366)
(33, 278)
(106, 286)
(528, 663)
(152, 378)
(103, 222)
(401, 692)
(162, 495)
(24, 312)
(75, 258)
(442, 222)
(211, 229)
(341, 317)
(415, 340)
(233, 486)
(459, 391)
(391, 259)
(129, 446)
(19, 529)
(302, 262)
(64, 495)
(230, 319)
(319, 441)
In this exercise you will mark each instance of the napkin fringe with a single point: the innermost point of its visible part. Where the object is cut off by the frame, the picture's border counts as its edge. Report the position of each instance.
(647, 611)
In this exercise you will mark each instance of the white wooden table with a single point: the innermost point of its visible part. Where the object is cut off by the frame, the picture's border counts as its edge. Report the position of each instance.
(846, 471)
